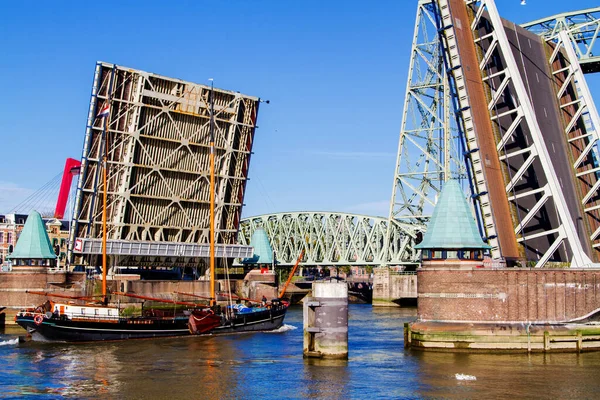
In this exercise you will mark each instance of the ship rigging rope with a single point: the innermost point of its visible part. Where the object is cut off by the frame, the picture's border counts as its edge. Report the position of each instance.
(200, 319)
(42, 200)
(229, 297)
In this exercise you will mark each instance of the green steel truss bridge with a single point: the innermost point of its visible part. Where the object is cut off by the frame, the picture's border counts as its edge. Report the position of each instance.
(430, 149)
(330, 238)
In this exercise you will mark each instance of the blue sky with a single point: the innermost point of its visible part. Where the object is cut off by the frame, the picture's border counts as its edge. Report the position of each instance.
(334, 71)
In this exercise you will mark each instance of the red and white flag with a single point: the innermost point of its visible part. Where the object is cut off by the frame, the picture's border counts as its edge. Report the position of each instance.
(104, 112)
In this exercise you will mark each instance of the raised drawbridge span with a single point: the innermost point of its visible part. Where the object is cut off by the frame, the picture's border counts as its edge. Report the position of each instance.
(476, 110)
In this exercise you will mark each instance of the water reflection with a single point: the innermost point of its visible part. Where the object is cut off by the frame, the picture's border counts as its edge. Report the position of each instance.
(325, 379)
(196, 367)
(508, 375)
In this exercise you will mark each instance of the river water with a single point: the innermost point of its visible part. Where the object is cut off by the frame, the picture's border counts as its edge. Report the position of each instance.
(270, 366)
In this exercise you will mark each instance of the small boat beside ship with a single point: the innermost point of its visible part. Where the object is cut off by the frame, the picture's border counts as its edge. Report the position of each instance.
(238, 318)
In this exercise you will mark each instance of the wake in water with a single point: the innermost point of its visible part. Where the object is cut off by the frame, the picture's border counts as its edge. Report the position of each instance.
(464, 377)
(9, 342)
(284, 328)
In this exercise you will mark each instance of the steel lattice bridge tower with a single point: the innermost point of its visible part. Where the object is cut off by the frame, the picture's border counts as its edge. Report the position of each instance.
(506, 110)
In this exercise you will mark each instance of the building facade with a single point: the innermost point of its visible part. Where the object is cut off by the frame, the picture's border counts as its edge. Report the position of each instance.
(11, 226)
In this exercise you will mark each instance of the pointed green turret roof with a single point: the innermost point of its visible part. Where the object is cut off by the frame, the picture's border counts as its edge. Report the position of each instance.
(452, 225)
(263, 253)
(33, 243)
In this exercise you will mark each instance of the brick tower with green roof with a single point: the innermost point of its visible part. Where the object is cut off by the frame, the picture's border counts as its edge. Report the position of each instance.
(452, 237)
(33, 249)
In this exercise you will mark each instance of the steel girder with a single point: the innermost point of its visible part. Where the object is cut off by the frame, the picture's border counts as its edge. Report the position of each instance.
(514, 119)
(431, 147)
(331, 239)
(583, 29)
(581, 116)
(158, 160)
(429, 150)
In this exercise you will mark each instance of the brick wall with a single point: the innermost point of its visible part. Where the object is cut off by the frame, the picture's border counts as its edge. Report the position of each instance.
(168, 288)
(507, 295)
(13, 286)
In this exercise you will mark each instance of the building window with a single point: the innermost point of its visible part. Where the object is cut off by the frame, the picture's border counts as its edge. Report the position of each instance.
(1, 237)
(471, 255)
(9, 238)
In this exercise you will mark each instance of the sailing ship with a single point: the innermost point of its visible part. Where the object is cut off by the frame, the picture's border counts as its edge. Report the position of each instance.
(96, 320)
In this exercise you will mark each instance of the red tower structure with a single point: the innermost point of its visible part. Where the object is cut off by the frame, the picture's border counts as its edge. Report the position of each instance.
(72, 167)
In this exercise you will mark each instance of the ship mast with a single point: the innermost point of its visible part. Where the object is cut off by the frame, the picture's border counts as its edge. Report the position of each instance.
(104, 197)
(213, 298)
(105, 114)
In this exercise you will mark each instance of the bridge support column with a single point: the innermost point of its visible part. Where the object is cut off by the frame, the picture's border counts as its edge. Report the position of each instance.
(326, 321)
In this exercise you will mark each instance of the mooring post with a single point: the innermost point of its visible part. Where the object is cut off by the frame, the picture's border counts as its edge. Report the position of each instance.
(326, 321)
(407, 335)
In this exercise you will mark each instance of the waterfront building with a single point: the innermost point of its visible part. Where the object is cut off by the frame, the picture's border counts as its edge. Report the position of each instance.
(33, 250)
(58, 233)
(10, 228)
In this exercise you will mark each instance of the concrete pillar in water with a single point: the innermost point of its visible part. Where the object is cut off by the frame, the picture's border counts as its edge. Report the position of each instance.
(326, 321)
